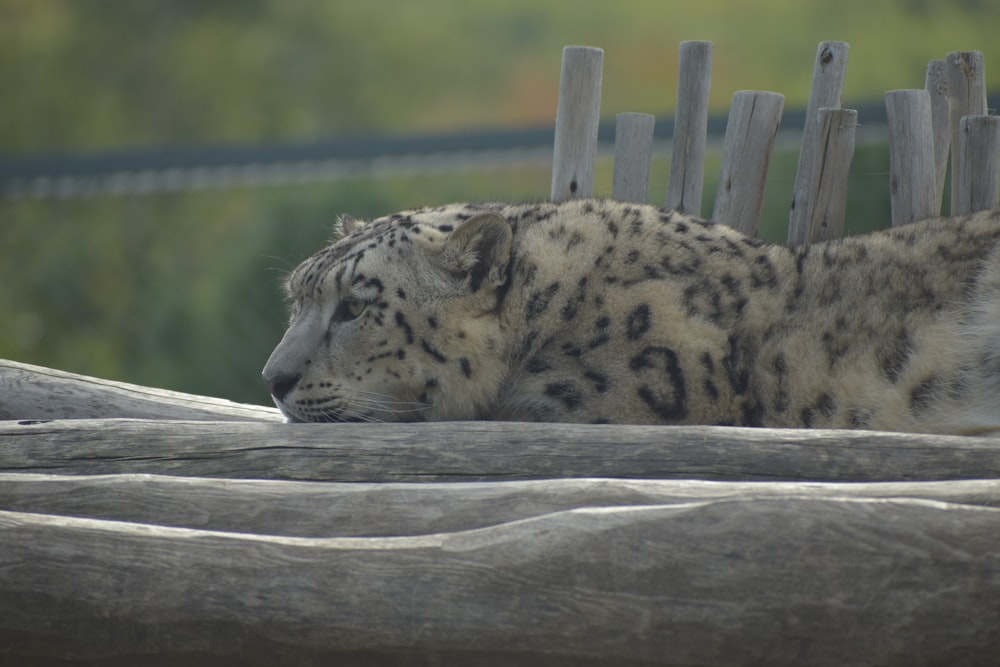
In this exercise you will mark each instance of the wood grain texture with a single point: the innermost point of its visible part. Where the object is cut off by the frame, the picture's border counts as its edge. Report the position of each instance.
(36, 392)
(687, 162)
(633, 153)
(478, 451)
(936, 85)
(912, 172)
(754, 117)
(977, 164)
(828, 194)
(577, 120)
(809, 582)
(329, 509)
(829, 68)
(966, 78)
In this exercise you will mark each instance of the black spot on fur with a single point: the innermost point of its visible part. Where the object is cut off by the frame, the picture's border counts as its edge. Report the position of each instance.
(638, 322)
(708, 383)
(539, 301)
(602, 327)
(601, 381)
(923, 395)
(835, 344)
(859, 417)
(782, 397)
(735, 365)
(435, 354)
(894, 354)
(466, 367)
(404, 325)
(537, 365)
(666, 392)
(565, 392)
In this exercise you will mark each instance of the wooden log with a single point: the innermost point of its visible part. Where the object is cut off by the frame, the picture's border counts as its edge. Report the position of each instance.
(577, 120)
(34, 392)
(936, 85)
(977, 164)
(753, 123)
(807, 582)
(330, 509)
(827, 85)
(687, 164)
(633, 155)
(476, 451)
(912, 177)
(828, 193)
(966, 97)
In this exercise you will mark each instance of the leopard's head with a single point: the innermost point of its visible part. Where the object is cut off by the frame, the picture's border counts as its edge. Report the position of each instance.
(397, 321)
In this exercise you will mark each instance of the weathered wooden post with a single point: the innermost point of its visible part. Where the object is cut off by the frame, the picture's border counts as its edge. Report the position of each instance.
(827, 84)
(687, 162)
(577, 119)
(966, 97)
(936, 84)
(828, 192)
(753, 123)
(976, 164)
(912, 173)
(633, 153)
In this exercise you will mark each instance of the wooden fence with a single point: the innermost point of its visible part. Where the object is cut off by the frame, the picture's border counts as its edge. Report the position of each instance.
(139, 526)
(946, 118)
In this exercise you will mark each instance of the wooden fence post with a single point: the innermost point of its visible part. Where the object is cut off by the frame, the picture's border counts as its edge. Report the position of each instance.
(633, 153)
(936, 84)
(977, 158)
(827, 84)
(828, 191)
(687, 162)
(966, 97)
(577, 118)
(746, 152)
(912, 178)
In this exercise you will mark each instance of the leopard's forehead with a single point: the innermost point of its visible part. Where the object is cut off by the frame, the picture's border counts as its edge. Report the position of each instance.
(399, 232)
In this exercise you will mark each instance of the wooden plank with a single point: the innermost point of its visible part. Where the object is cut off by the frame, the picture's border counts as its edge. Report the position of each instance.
(687, 162)
(936, 84)
(472, 451)
(35, 392)
(966, 97)
(806, 582)
(754, 117)
(633, 154)
(577, 119)
(828, 193)
(977, 164)
(829, 68)
(329, 509)
(912, 177)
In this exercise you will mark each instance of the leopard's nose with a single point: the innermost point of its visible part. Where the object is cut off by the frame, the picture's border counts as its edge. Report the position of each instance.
(281, 384)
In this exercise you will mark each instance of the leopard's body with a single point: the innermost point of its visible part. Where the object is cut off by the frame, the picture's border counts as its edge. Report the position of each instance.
(598, 311)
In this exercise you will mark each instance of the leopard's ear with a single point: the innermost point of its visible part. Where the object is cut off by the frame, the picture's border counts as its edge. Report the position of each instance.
(479, 249)
(346, 225)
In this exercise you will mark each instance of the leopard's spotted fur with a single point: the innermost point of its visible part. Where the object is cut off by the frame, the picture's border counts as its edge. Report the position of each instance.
(598, 311)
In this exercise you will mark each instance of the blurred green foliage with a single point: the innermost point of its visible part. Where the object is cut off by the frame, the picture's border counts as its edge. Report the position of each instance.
(182, 290)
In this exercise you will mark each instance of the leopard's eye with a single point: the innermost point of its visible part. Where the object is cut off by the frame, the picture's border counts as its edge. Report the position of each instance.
(350, 309)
